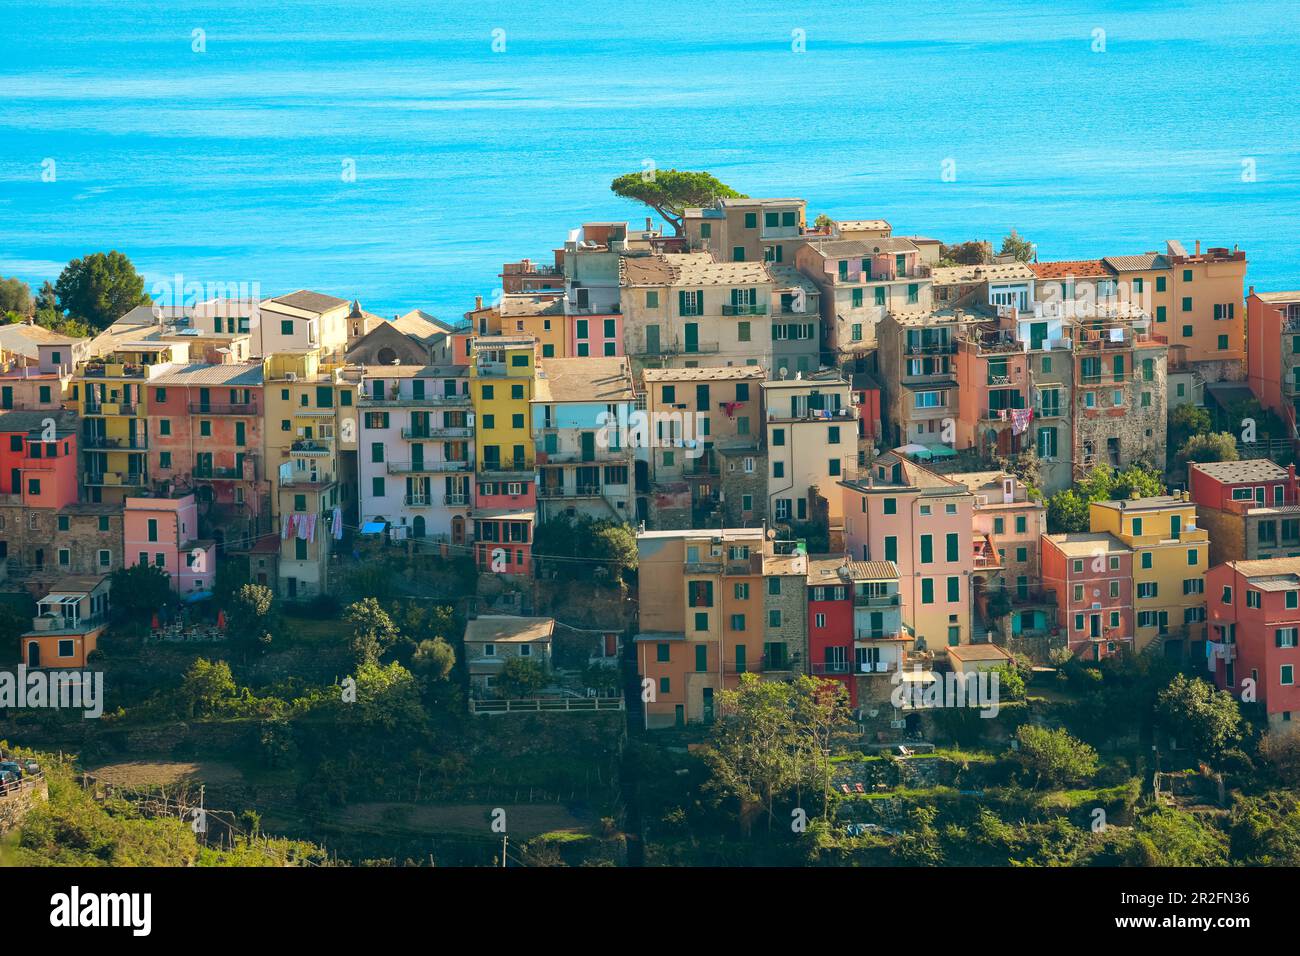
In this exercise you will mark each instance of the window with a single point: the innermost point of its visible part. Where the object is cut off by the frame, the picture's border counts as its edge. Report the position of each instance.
(1187, 303)
(1194, 586)
(1291, 597)
(891, 548)
(1287, 675)
(652, 295)
(954, 590)
(952, 548)
(927, 549)
(1286, 636)
(105, 558)
(701, 620)
(1227, 595)
(1223, 343)
(286, 327)
(64, 522)
(1146, 560)
(377, 487)
(737, 622)
(1192, 557)
(927, 590)
(661, 652)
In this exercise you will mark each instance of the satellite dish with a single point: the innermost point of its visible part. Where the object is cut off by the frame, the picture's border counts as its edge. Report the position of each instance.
(783, 372)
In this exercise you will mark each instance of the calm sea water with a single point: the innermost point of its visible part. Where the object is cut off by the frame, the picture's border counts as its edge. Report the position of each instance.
(226, 165)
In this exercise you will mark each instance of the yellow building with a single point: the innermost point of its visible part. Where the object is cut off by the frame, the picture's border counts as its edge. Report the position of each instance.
(501, 383)
(540, 315)
(1170, 557)
(311, 442)
(112, 393)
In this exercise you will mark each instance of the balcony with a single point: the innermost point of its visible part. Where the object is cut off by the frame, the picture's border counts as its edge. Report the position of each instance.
(456, 501)
(394, 401)
(442, 431)
(111, 409)
(559, 491)
(699, 348)
(115, 479)
(598, 456)
(425, 467)
(704, 567)
(875, 600)
(312, 447)
(246, 409)
(138, 443)
(114, 370)
(418, 501)
(506, 466)
(759, 309)
(832, 667)
(932, 348)
(247, 473)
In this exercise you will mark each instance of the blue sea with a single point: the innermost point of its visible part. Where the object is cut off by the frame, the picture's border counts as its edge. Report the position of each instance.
(210, 139)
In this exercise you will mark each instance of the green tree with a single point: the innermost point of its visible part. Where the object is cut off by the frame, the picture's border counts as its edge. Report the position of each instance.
(16, 297)
(1053, 756)
(434, 659)
(1066, 512)
(141, 590)
(373, 631)
(585, 548)
(972, 253)
(1016, 245)
(388, 699)
(1215, 446)
(1194, 713)
(1186, 421)
(670, 192)
(206, 685)
(100, 288)
(521, 677)
(251, 621)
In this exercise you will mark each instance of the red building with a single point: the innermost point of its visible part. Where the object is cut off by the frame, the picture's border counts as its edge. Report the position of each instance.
(1092, 575)
(206, 435)
(830, 621)
(1248, 507)
(504, 515)
(38, 458)
(1254, 634)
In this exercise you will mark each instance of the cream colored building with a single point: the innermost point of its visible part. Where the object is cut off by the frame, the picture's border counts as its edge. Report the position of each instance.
(811, 429)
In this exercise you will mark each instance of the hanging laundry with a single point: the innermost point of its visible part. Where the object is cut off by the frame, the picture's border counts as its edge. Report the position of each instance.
(336, 524)
(286, 525)
(1020, 418)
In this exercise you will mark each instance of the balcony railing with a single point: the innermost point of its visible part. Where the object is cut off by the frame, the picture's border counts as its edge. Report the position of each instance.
(138, 443)
(418, 501)
(433, 400)
(421, 467)
(225, 474)
(759, 309)
(115, 479)
(832, 667)
(875, 600)
(699, 348)
(439, 431)
(506, 465)
(239, 408)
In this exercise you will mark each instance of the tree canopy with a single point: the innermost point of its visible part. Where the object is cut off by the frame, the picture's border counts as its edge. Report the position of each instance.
(373, 631)
(1016, 245)
(16, 297)
(100, 288)
(1198, 716)
(251, 620)
(1053, 756)
(1068, 510)
(141, 590)
(670, 192)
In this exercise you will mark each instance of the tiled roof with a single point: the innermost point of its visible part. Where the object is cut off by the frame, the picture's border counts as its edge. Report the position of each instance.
(34, 421)
(853, 248)
(309, 301)
(519, 306)
(689, 269)
(235, 374)
(978, 652)
(1284, 571)
(865, 570)
(1146, 262)
(996, 272)
(1071, 269)
(1235, 472)
(1278, 297)
(509, 629)
(703, 373)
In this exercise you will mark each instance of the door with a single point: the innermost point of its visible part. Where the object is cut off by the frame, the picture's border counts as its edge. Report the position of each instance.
(33, 654)
(417, 527)
(588, 446)
(205, 399)
(692, 337)
(1175, 526)
(417, 456)
(708, 705)
(652, 339)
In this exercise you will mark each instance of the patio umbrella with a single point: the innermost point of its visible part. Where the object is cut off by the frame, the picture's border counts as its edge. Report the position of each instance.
(221, 619)
(155, 624)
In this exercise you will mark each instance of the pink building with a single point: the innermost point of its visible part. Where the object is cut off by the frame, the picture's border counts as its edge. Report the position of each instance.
(898, 511)
(595, 335)
(504, 516)
(162, 532)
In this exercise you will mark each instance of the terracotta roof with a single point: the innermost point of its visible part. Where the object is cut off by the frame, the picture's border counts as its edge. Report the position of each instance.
(1278, 297)
(1083, 544)
(702, 374)
(978, 652)
(1071, 269)
(689, 269)
(867, 570)
(854, 248)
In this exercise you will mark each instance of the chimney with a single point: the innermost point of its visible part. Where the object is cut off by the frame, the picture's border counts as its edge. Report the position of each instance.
(1252, 291)
(478, 302)
(1198, 247)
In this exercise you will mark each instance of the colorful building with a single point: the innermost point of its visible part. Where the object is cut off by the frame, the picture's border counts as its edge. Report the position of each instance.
(898, 511)
(1250, 508)
(1091, 575)
(68, 624)
(1170, 557)
(164, 532)
(416, 457)
(1254, 635)
(812, 442)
